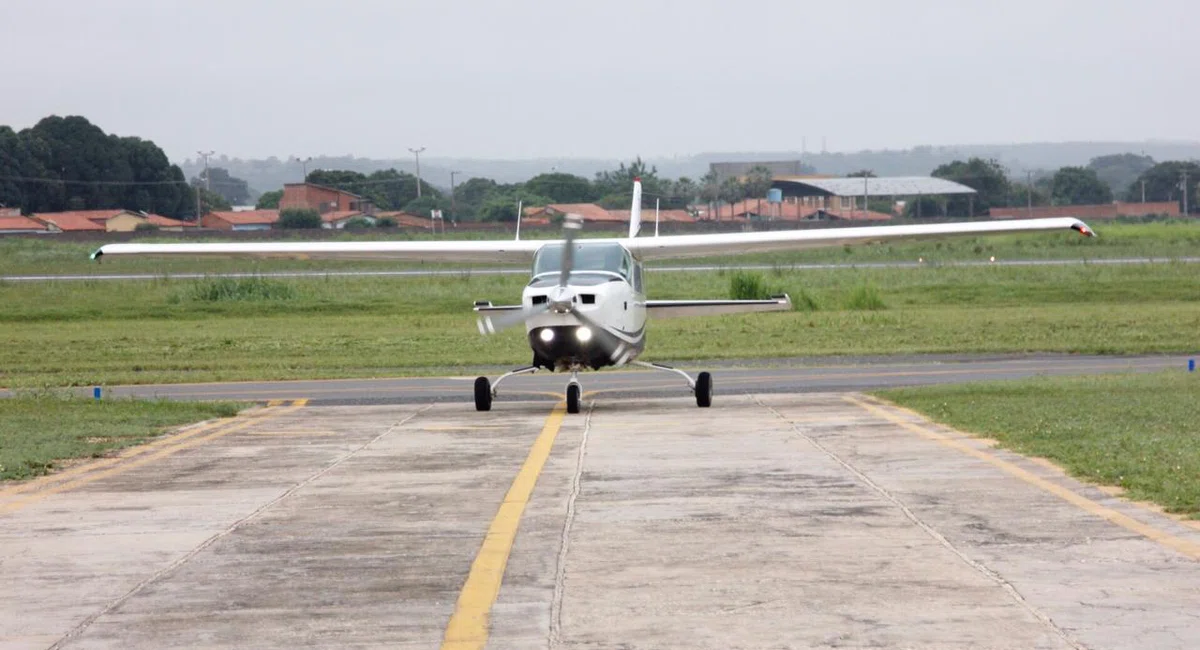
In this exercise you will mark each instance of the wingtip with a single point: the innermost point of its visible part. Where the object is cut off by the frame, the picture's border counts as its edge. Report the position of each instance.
(95, 256)
(1083, 229)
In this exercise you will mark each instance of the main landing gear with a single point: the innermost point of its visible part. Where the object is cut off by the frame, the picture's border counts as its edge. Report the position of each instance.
(702, 385)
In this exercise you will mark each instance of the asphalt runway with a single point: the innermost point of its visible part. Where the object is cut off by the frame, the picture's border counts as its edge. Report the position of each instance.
(797, 512)
(524, 271)
(770, 376)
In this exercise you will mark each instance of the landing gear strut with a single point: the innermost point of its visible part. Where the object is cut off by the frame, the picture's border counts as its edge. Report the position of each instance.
(485, 390)
(702, 385)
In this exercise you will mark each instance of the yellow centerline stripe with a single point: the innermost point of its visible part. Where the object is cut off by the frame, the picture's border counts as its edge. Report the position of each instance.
(1183, 546)
(18, 504)
(468, 626)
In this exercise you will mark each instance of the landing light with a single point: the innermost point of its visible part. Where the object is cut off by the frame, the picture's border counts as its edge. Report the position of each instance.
(546, 335)
(584, 334)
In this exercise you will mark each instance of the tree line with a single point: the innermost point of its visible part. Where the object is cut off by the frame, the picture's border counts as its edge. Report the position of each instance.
(67, 163)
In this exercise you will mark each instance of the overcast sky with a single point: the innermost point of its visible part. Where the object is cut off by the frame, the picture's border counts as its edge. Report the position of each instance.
(602, 78)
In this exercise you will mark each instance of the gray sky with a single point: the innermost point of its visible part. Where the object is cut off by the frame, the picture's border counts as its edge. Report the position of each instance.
(611, 78)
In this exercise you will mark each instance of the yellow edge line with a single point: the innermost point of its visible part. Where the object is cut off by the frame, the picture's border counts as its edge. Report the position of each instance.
(1183, 546)
(13, 506)
(125, 454)
(468, 626)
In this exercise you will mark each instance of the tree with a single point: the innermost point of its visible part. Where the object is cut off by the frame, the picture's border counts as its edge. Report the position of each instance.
(561, 188)
(758, 181)
(1118, 171)
(211, 201)
(234, 190)
(388, 189)
(386, 222)
(986, 177)
(425, 205)
(358, 223)
(269, 200)
(1163, 183)
(498, 208)
(731, 191)
(1078, 186)
(299, 218)
(78, 165)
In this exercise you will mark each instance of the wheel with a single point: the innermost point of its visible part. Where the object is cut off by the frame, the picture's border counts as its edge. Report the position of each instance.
(704, 390)
(483, 394)
(572, 398)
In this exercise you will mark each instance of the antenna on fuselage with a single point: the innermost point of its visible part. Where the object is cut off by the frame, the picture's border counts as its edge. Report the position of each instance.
(519, 204)
(656, 217)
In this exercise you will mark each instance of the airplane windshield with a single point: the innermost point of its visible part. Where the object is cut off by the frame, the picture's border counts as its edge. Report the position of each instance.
(588, 257)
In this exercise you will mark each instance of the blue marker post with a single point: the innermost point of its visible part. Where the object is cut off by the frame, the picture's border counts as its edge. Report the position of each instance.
(96, 392)
(1191, 365)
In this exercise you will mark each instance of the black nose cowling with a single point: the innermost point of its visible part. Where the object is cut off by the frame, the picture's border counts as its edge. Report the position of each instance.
(562, 346)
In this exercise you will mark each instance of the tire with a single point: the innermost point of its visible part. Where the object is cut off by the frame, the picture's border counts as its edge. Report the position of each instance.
(572, 398)
(704, 390)
(483, 394)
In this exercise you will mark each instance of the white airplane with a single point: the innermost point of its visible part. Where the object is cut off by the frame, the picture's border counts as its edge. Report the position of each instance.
(585, 305)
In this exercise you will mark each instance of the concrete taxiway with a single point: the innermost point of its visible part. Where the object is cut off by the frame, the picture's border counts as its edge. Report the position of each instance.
(809, 520)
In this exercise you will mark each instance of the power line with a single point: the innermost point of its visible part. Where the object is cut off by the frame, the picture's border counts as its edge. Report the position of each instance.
(30, 179)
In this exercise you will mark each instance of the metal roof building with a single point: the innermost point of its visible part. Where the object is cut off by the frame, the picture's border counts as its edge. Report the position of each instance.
(888, 186)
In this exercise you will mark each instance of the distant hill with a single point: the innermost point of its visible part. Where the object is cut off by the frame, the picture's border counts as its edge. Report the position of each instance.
(272, 173)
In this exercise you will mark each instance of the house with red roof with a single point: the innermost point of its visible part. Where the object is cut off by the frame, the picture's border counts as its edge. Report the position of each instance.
(243, 220)
(16, 224)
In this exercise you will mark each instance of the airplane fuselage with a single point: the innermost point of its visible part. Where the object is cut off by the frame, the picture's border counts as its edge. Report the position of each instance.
(606, 323)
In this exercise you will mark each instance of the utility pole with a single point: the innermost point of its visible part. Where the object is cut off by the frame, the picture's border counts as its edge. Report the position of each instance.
(453, 202)
(1143, 191)
(417, 152)
(1184, 181)
(865, 195)
(304, 168)
(207, 183)
(1029, 194)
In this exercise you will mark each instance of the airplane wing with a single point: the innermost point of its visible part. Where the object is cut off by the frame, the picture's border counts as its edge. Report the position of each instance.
(677, 246)
(487, 251)
(657, 309)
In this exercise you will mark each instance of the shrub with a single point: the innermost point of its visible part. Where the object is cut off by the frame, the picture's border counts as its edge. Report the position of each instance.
(744, 285)
(358, 223)
(805, 301)
(241, 289)
(865, 297)
(298, 218)
(386, 222)
(145, 227)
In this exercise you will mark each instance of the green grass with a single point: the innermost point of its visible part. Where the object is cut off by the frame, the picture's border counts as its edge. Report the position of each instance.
(1178, 238)
(86, 333)
(1138, 432)
(39, 431)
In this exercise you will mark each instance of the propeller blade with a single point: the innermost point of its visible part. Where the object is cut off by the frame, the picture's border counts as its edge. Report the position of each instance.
(499, 323)
(571, 226)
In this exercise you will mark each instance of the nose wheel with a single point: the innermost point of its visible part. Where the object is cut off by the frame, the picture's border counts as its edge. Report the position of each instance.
(574, 392)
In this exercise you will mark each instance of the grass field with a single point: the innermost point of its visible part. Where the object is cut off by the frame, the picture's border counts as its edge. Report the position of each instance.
(85, 333)
(38, 432)
(1180, 238)
(1138, 432)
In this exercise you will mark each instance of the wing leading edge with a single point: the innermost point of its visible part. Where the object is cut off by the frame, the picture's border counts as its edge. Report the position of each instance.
(678, 246)
(657, 309)
(645, 248)
(487, 251)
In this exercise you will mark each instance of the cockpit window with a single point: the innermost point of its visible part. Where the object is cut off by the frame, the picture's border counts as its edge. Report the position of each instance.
(612, 258)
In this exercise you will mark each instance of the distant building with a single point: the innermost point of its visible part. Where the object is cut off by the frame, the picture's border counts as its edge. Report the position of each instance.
(1102, 211)
(113, 220)
(238, 221)
(13, 225)
(589, 212)
(310, 196)
(405, 220)
(338, 220)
